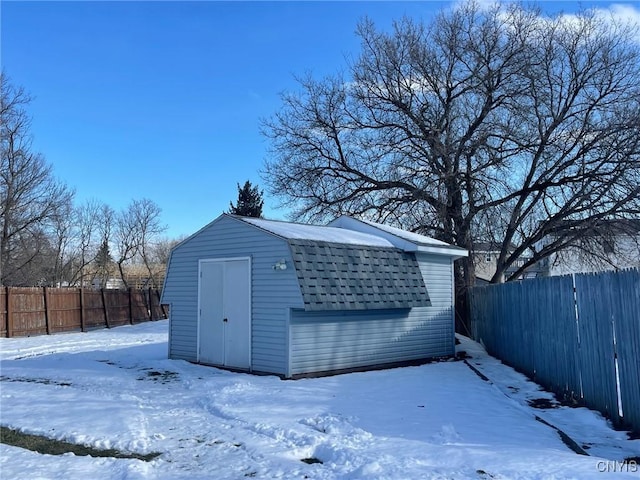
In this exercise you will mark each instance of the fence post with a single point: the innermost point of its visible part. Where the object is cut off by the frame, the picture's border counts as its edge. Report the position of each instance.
(46, 309)
(82, 309)
(151, 315)
(130, 306)
(9, 313)
(106, 310)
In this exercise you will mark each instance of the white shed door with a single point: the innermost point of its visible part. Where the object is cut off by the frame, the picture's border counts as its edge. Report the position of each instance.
(225, 313)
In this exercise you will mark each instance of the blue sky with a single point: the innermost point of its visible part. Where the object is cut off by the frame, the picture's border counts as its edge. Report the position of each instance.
(163, 100)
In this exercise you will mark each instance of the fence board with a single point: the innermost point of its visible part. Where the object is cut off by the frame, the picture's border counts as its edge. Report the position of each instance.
(627, 329)
(569, 342)
(552, 324)
(37, 311)
(117, 305)
(4, 318)
(64, 309)
(157, 309)
(28, 311)
(139, 306)
(93, 310)
(596, 354)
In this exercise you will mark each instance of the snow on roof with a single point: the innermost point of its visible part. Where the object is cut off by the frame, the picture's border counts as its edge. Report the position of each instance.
(410, 236)
(300, 231)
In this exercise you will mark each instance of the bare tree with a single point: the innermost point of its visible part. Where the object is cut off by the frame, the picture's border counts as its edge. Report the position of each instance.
(162, 249)
(127, 240)
(62, 236)
(136, 228)
(491, 125)
(91, 224)
(36, 257)
(30, 196)
(148, 217)
(160, 253)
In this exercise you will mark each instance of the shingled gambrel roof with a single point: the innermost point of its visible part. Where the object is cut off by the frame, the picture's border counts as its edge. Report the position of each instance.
(335, 276)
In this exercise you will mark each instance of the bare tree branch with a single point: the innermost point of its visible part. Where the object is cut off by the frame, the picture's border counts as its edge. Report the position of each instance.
(31, 198)
(487, 125)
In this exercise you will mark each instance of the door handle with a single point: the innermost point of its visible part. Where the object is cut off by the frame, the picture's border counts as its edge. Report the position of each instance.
(225, 320)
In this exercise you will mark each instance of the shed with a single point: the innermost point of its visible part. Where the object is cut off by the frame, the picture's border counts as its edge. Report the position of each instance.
(293, 300)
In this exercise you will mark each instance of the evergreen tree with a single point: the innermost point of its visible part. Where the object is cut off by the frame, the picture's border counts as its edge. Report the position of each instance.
(103, 262)
(249, 202)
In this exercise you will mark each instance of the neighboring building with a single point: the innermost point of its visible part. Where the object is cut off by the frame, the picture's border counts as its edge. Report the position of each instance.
(295, 300)
(615, 245)
(136, 275)
(112, 283)
(485, 259)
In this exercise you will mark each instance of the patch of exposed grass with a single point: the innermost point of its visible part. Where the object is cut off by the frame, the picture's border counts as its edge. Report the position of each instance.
(484, 474)
(48, 446)
(43, 381)
(163, 377)
(543, 403)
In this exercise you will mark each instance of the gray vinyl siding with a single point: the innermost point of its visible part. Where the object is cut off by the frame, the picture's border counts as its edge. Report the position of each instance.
(323, 341)
(287, 337)
(437, 271)
(271, 289)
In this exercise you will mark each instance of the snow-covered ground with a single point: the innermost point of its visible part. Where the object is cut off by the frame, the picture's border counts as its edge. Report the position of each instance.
(116, 389)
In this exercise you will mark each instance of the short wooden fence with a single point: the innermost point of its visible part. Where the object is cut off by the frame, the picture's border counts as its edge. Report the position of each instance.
(27, 311)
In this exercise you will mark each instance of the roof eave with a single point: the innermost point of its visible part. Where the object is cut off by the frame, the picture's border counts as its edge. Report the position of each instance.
(450, 251)
(345, 221)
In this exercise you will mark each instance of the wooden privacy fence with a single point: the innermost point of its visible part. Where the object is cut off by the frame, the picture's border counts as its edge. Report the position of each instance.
(578, 336)
(26, 311)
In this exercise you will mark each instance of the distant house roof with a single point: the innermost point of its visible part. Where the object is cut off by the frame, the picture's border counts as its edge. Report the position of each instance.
(603, 227)
(350, 277)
